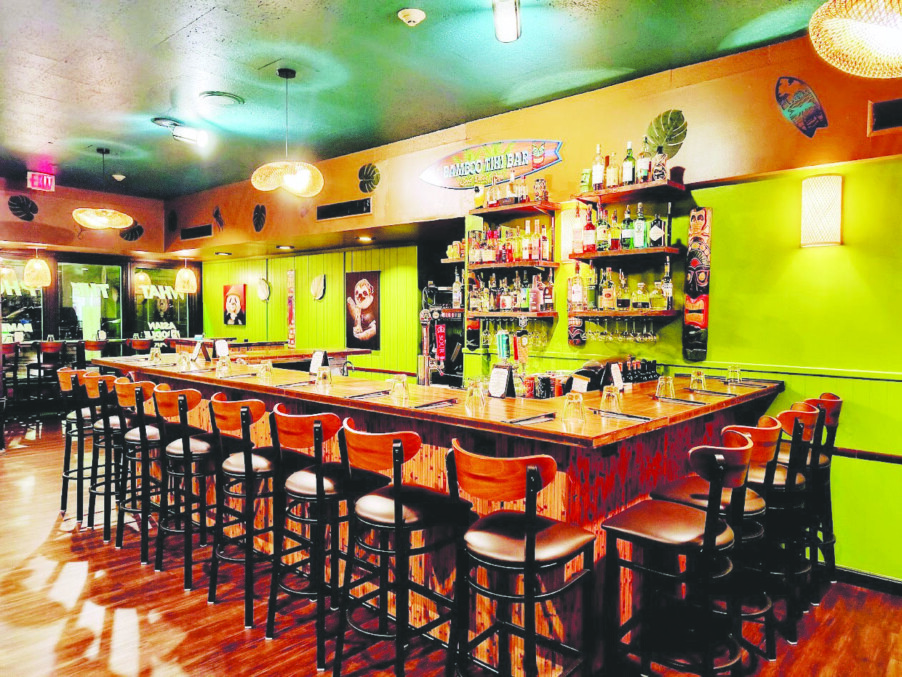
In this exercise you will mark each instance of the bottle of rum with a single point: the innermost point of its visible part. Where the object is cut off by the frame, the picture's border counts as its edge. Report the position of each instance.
(608, 293)
(643, 163)
(615, 232)
(628, 175)
(656, 232)
(640, 228)
(612, 174)
(548, 292)
(456, 291)
(589, 233)
(626, 230)
(577, 233)
(660, 171)
(623, 294)
(545, 247)
(602, 231)
(667, 285)
(598, 170)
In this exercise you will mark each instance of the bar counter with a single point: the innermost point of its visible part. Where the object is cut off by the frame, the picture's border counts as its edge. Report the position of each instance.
(269, 350)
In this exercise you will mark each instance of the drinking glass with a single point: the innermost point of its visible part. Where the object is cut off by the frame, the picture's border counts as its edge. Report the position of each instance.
(265, 370)
(399, 390)
(223, 366)
(50, 337)
(184, 361)
(156, 355)
(574, 412)
(734, 374)
(697, 380)
(665, 387)
(323, 376)
(610, 399)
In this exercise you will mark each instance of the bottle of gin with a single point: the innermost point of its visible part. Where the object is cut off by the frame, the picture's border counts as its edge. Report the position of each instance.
(612, 174)
(623, 294)
(575, 292)
(548, 292)
(602, 231)
(598, 169)
(643, 163)
(615, 232)
(656, 232)
(640, 228)
(526, 243)
(628, 175)
(626, 230)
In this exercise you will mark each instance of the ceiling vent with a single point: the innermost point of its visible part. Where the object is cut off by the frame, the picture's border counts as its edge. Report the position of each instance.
(884, 117)
(339, 210)
(197, 232)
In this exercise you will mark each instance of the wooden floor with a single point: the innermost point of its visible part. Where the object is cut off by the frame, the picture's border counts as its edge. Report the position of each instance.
(72, 605)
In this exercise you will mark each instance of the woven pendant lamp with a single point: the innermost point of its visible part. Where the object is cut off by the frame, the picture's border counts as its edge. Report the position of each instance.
(860, 37)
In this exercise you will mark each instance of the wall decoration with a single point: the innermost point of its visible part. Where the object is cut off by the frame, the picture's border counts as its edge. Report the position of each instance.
(369, 177)
(172, 221)
(479, 165)
(217, 217)
(289, 299)
(800, 105)
(22, 207)
(234, 304)
(362, 326)
(318, 287)
(259, 217)
(132, 233)
(668, 130)
(698, 280)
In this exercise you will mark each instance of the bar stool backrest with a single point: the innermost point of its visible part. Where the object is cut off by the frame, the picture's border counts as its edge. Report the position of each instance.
(127, 392)
(10, 350)
(93, 380)
(51, 352)
(167, 400)
(96, 346)
(731, 459)
(65, 377)
(295, 431)
(800, 411)
(832, 406)
(375, 451)
(226, 415)
(140, 345)
(498, 479)
(764, 436)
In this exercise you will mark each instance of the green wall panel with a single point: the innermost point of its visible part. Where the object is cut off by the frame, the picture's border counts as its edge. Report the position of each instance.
(277, 306)
(320, 324)
(216, 275)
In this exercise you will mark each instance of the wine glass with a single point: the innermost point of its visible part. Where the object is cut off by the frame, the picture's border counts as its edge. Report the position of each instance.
(608, 336)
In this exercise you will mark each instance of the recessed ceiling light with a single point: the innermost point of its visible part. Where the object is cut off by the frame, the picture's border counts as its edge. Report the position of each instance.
(168, 123)
(218, 98)
(119, 177)
(284, 247)
(223, 253)
(365, 238)
(411, 16)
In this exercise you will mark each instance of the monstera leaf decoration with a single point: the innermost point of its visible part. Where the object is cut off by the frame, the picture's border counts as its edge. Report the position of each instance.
(259, 217)
(217, 217)
(22, 207)
(369, 177)
(132, 233)
(668, 130)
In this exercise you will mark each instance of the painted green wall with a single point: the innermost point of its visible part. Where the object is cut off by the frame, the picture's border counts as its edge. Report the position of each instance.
(219, 274)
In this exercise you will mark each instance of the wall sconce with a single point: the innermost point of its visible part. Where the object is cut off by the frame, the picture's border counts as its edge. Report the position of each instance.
(822, 211)
(507, 19)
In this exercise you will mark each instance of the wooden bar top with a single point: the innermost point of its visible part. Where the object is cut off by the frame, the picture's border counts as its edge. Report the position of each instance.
(275, 352)
(497, 417)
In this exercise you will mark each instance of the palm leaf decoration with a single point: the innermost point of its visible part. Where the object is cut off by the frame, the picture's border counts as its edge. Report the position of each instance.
(369, 177)
(217, 217)
(259, 217)
(22, 207)
(132, 233)
(668, 130)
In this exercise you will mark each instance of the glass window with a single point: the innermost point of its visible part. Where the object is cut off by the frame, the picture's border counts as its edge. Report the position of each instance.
(89, 301)
(161, 311)
(22, 307)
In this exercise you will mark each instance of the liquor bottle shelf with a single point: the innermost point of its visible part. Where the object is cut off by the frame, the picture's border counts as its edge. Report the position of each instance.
(460, 261)
(545, 314)
(515, 264)
(662, 189)
(614, 314)
(645, 251)
(452, 312)
(515, 211)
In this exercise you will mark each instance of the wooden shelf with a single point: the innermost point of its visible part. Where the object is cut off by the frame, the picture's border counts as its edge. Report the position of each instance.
(515, 264)
(613, 314)
(507, 314)
(515, 211)
(635, 253)
(661, 190)
(460, 261)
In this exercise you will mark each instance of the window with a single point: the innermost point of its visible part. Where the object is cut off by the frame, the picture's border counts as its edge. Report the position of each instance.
(22, 308)
(160, 311)
(89, 301)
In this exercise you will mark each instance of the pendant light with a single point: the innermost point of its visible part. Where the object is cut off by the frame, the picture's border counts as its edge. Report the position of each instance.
(859, 37)
(298, 178)
(142, 279)
(94, 218)
(507, 19)
(37, 273)
(186, 280)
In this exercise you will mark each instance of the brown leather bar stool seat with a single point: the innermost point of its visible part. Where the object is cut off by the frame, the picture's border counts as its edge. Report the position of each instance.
(141, 449)
(241, 468)
(391, 515)
(677, 624)
(512, 545)
(188, 457)
(108, 429)
(78, 427)
(310, 493)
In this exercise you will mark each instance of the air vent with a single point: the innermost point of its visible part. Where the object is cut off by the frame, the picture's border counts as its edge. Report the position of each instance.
(342, 209)
(197, 232)
(885, 117)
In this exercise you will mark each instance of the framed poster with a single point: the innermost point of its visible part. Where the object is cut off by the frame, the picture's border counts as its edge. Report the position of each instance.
(362, 324)
(290, 303)
(234, 303)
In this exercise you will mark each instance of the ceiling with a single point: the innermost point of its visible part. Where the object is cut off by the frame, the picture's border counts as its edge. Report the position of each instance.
(76, 75)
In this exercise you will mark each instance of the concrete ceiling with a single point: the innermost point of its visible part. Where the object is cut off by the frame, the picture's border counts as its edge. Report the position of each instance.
(76, 75)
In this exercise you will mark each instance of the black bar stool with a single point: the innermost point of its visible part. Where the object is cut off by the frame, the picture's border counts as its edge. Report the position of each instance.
(50, 358)
(78, 426)
(391, 515)
(108, 431)
(11, 371)
(514, 544)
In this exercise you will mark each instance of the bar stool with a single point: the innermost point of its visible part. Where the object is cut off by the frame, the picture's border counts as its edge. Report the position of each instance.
(188, 456)
(692, 490)
(240, 468)
(309, 495)
(393, 512)
(514, 544)
(82, 348)
(676, 625)
(11, 371)
(141, 447)
(78, 426)
(108, 431)
(139, 346)
(50, 358)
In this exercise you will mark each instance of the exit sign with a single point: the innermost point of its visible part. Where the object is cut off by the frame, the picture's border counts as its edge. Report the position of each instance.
(41, 181)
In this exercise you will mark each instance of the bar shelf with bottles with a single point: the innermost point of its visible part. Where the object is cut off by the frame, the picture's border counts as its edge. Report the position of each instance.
(517, 210)
(512, 314)
(635, 253)
(550, 265)
(615, 314)
(663, 190)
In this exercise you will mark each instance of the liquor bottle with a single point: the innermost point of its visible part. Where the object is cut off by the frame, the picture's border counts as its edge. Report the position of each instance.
(523, 300)
(615, 233)
(668, 231)
(545, 248)
(509, 248)
(667, 285)
(639, 299)
(623, 294)
(536, 251)
(626, 230)
(640, 228)
(612, 174)
(659, 167)
(608, 294)
(575, 292)
(598, 170)
(591, 288)
(656, 232)
(474, 300)
(526, 243)
(628, 175)
(577, 234)
(488, 253)
(602, 232)
(589, 233)
(491, 197)
(456, 291)
(541, 287)
(507, 299)
(656, 299)
(643, 163)
(511, 189)
(535, 295)
(548, 292)
(485, 296)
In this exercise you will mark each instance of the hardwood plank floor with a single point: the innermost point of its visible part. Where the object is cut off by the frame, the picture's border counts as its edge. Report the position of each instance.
(72, 605)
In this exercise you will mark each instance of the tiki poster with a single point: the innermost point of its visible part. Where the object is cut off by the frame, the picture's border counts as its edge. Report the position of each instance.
(698, 279)
(362, 328)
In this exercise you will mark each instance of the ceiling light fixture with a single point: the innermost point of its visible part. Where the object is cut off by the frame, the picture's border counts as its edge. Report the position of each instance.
(186, 280)
(507, 19)
(364, 238)
(412, 16)
(37, 273)
(859, 37)
(181, 132)
(142, 279)
(94, 218)
(223, 253)
(284, 247)
(218, 98)
(8, 277)
(119, 177)
(298, 178)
